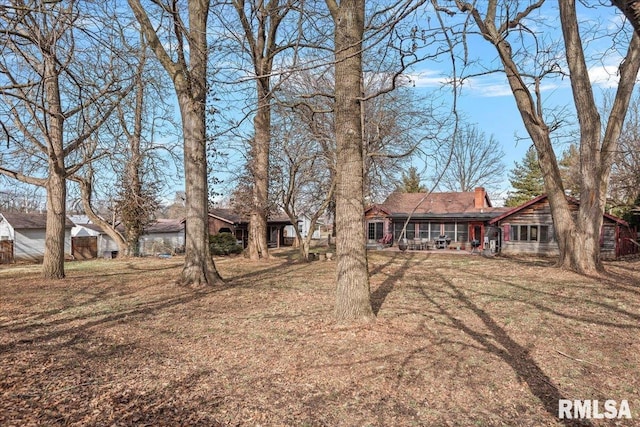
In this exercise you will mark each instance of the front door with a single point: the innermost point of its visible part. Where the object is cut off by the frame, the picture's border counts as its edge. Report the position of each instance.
(477, 233)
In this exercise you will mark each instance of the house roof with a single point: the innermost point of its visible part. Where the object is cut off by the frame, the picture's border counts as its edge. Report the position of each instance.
(32, 221)
(94, 227)
(440, 205)
(232, 217)
(377, 209)
(542, 198)
(79, 219)
(227, 215)
(163, 225)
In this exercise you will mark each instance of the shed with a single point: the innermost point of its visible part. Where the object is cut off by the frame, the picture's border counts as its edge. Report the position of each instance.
(90, 241)
(22, 236)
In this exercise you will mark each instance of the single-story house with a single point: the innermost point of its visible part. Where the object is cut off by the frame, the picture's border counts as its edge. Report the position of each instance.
(163, 236)
(224, 220)
(304, 226)
(22, 237)
(457, 218)
(528, 229)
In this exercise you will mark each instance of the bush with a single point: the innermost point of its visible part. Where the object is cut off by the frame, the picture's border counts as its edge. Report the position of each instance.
(224, 244)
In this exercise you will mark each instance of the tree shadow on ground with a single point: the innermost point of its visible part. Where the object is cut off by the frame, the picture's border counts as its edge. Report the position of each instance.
(386, 287)
(527, 261)
(266, 269)
(634, 318)
(512, 353)
(46, 329)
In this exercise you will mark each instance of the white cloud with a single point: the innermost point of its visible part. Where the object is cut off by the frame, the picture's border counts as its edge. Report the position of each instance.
(486, 89)
(605, 76)
(493, 86)
(427, 78)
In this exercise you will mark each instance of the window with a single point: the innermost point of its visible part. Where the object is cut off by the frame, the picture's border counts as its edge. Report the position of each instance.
(524, 232)
(435, 232)
(530, 233)
(424, 230)
(376, 230)
(462, 232)
(411, 230)
(544, 233)
(397, 230)
(450, 230)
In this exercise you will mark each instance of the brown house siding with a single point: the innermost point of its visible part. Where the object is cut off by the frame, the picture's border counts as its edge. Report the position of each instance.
(538, 213)
(216, 224)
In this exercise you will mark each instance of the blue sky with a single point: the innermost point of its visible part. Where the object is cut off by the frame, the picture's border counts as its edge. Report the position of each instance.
(487, 100)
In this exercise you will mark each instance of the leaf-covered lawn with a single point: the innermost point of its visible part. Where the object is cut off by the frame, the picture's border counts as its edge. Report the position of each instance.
(459, 340)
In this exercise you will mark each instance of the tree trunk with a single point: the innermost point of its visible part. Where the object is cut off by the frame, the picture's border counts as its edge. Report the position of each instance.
(578, 236)
(257, 244)
(596, 150)
(199, 268)
(353, 300)
(133, 170)
(631, 9)
(53, 262)
(86, 194)
(260, 29)
(190, 82)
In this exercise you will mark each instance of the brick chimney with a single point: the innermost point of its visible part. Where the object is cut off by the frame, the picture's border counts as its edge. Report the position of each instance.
(480, 197)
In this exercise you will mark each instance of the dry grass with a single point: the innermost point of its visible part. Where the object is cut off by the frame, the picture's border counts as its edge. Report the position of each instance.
(459, 340)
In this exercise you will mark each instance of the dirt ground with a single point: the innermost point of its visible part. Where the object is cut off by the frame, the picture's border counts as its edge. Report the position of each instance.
(458, 341)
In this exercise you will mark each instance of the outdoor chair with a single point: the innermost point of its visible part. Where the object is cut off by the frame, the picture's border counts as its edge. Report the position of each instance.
(386, 240)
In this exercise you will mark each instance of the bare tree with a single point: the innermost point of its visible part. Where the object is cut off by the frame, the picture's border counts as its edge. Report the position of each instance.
(303, 170)
(58, 88)
(397, 128)
(18, 197)
(262, 40)
(129, 173)
(474, 160)
(624, 191)
(352, 276)
(631, 9)
(578, 235)
(186, 64)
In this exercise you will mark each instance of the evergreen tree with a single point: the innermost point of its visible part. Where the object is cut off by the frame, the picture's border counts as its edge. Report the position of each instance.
(410, 182)
(570, 171)
(526, 179)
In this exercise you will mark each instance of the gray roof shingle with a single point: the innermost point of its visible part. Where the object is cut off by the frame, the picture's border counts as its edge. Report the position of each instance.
(32, 221)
